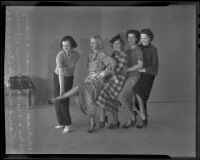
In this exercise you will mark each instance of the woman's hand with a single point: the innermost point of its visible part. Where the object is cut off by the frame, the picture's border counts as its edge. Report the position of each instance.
(142, 70)
(102, 74)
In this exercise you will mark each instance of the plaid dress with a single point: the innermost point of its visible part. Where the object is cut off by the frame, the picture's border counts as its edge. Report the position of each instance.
(114, 84)
(89, 89)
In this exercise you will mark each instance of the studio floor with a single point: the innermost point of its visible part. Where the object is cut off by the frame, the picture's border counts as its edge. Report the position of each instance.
(171, 131)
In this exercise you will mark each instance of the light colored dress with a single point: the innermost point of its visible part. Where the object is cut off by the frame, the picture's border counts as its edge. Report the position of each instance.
(88, 91)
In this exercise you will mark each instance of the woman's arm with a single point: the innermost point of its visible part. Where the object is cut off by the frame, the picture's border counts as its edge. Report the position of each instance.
(153, 69)
(60, 73)
(137, 67)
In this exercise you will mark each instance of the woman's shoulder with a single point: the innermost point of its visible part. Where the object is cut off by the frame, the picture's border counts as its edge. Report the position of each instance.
(60, 54)
(153, 47)
(139, 48)
(75, 53)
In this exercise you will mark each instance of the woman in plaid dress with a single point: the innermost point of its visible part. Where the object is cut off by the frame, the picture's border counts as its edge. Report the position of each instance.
(114, 84)
(100, 65)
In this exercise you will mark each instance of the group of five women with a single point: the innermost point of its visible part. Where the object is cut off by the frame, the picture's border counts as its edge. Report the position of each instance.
(122, 79)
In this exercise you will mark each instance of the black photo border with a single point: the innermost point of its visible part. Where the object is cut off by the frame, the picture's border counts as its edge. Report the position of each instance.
(96, 3)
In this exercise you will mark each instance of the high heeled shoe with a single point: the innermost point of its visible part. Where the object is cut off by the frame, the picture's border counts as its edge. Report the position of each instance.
(131, 124)
(92, 128)
(142, 124)
(113, 126)
(102, 124)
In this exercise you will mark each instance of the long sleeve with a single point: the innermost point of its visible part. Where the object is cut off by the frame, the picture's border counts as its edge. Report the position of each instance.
(153, 68)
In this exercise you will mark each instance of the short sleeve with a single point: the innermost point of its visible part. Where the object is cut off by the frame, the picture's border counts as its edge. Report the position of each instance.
(59, 60)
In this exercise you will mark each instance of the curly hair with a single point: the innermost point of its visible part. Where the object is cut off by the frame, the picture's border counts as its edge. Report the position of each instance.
(73, 43)
(99, 41)
(135, 32)
(117, 37)
(148, 32)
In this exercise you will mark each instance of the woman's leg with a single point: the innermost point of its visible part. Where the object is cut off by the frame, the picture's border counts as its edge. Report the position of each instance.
(56, 93)
(142, 113)
(92, 124)
(115, 117)
(102, 114)
(125, 98)
(103, 117)
(141, 106)
(64, 105)
(68, 94)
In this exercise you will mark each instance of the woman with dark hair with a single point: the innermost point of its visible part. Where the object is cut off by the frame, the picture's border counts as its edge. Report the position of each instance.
(135, 63)
(66, 61)
(148, 72)
(100, 65)
(114, 84)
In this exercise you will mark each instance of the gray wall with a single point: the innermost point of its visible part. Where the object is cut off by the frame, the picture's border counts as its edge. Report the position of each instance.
(173, 26)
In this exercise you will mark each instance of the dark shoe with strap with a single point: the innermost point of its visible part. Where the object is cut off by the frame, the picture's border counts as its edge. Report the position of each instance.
(131, 124)
(142, 124)
(102, 124)
(92, 128)
(114, 126)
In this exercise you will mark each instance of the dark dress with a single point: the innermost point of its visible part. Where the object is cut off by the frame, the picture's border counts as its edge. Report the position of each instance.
(150, 61)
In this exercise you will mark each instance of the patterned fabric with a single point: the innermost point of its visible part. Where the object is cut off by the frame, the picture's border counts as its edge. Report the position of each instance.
(114, 84)
(88, 91)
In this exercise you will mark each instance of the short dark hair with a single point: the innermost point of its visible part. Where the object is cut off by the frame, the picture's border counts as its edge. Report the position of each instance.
(117, 37)
(135, 32)
(148, 32)
(71, 40)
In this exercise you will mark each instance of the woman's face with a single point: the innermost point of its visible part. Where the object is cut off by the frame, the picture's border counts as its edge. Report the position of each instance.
(66, 46)
(117, 46)
(93, 44)
(145, 40)
(132, 39)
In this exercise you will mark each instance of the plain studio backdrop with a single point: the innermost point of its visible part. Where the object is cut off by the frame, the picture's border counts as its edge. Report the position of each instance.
(173, 27)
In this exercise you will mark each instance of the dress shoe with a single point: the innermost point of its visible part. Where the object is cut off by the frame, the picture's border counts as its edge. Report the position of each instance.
(59, 126)
(113, 126)
(102, 124)
(142, 124)
(131, 124)
(66, 129)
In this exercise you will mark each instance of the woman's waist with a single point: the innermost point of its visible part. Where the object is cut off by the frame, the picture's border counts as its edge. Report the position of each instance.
(66, 71)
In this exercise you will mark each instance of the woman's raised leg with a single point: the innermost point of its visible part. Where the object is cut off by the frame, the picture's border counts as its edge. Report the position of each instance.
(70, 93)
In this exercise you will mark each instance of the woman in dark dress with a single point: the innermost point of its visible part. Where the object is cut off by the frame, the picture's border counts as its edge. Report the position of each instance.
(66, 61)
(143, 88)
